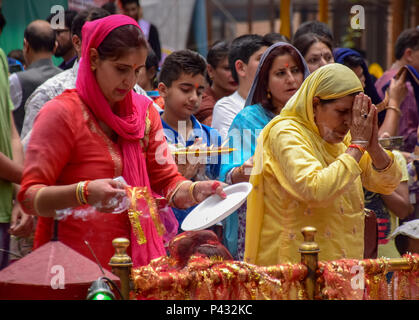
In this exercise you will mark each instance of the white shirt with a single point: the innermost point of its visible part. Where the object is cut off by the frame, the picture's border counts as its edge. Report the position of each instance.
(225, 110)
(15, 90)
(45, 92)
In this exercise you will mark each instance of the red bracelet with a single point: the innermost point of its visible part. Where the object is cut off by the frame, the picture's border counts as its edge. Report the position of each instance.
(357, 147)
(85, 191)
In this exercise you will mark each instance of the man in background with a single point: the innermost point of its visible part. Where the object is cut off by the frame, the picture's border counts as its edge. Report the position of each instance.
(133, 9)
(65, 48)
(38, 48)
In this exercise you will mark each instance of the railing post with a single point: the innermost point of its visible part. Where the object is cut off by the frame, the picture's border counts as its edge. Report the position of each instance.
(121, 264)
(309, 256)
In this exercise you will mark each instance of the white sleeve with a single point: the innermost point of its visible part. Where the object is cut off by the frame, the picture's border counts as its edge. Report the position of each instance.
(221, 119)
(15, 90)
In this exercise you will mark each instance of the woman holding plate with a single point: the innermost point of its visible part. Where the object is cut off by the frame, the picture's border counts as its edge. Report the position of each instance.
(85, 137)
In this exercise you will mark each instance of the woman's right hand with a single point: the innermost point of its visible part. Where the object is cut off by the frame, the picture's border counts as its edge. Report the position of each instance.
(106, 194)
(397, 90)
(362, 124)
(242, 173)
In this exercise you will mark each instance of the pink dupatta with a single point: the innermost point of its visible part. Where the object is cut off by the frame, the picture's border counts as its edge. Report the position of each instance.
(129, 125)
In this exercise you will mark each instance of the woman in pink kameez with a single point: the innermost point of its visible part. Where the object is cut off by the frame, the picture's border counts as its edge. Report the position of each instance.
(94, 133)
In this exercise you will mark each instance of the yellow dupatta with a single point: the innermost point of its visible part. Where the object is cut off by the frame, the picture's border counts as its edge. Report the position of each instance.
(332, 81)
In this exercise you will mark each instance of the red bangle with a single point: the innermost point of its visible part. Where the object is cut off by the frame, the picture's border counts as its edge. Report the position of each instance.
(357, 147)
(85, 191)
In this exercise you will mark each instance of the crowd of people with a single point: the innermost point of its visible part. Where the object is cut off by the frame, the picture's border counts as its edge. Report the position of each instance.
(304, 118)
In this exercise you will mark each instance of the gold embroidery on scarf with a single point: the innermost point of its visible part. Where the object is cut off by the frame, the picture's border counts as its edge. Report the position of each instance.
(134, 215)
(144, 141)
(136, 226)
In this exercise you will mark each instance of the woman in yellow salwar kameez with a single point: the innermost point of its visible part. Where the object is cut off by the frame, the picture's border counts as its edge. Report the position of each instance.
(311, 162)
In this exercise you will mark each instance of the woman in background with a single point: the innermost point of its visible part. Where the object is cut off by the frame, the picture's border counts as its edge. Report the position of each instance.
(316, 50)
(221, 82)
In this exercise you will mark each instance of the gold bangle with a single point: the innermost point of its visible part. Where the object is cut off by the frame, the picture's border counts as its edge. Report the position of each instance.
(82, 197)
(35, 200)
(191, 189)
(173, 193)
(395, 109)
(79, 193)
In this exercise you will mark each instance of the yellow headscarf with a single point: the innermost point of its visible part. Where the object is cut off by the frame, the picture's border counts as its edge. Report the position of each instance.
(332, 81)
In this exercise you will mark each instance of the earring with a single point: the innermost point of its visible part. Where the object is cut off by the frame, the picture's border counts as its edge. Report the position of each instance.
(268, 95)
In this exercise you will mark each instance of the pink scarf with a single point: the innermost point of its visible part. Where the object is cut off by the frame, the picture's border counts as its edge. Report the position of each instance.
(129, 125)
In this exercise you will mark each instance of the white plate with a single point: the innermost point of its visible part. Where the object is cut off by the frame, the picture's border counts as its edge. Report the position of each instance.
(214, 209)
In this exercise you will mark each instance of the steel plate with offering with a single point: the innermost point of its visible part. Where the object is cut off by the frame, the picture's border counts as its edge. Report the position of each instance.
(203, 151)
(200, 150)
(395, 142)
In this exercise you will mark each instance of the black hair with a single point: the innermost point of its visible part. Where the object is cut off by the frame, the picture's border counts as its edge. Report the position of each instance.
(40, 39)
(409, 38)
(119, 40)
(152, 60)
(260, 95)
(352, 61)
(125, 2)
(242, 48)
(315, 27)
(305, 41)
(402, 243)
(217, 53)
(87, 15)
(274, 37)
(110, 7)
(69, 16)
(2, 20)
(182, 61)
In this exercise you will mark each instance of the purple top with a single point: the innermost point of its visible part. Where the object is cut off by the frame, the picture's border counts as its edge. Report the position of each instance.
(409, 120)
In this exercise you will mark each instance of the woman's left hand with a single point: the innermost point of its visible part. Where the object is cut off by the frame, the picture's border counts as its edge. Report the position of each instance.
(374, 144)
(201, 190)
(204, 189)
(380, 158)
